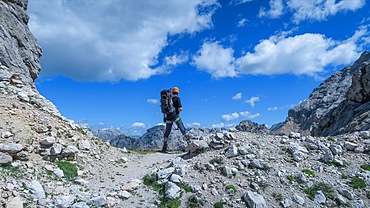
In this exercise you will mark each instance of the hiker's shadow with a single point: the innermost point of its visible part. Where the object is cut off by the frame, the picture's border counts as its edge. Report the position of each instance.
(187, 156)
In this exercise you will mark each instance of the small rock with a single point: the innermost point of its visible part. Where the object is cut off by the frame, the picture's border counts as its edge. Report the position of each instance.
(16, 202)
(172, 191)
(347, 193)
(48, 141)
(298, 199)
(232, 151)
(350, 146)
(98, 201)
(320, 197)
(254, 199)
(286, 203)
(5, 158)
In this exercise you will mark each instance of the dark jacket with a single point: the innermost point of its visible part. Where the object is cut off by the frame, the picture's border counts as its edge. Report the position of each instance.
(176, 103)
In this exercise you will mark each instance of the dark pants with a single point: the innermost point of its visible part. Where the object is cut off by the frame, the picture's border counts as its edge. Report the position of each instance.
(179, 124)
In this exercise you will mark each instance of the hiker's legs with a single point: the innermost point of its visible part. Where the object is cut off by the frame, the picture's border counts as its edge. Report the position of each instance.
(181, 126)
(166, 134)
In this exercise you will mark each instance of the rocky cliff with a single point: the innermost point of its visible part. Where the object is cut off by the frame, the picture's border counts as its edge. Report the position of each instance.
(19, 55)
(339, 105)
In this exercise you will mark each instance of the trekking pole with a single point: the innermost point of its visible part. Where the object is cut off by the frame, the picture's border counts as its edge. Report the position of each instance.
(174, 128)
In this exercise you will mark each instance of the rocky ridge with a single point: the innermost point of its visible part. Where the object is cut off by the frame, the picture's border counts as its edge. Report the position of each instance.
(339, 105)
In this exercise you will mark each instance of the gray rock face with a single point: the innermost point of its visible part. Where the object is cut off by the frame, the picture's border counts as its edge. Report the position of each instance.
(339, 105)
(250, 126)
(19, 56)
(19, 50)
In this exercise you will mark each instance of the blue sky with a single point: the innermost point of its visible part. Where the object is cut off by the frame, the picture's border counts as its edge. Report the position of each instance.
(105, 61)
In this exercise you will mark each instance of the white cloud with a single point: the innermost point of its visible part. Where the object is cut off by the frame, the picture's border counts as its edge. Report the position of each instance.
(273, 108)
(242, 22)
(153, 101)
(218, 126)
(176, 59)
(252, 101)
(302, 54)
(113, 40)
(237, 2)
(216, 60)
(234, 116)
(248, 115)
(192, 125)
(138, 124)
(223, 126)
(238, 96)
(320, 10)
(230, 117)
(276, 9)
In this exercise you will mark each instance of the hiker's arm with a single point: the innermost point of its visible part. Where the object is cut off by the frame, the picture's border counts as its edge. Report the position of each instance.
(180, 109)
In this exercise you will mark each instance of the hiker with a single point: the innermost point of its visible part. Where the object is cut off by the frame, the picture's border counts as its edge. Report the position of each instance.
(172, 117)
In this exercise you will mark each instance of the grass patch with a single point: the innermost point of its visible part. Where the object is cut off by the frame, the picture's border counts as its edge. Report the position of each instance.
(69, 169)
(218, 205)
(290, 178)
(216, 160)
(365, 167)
(192, 201)
(143, 152)
(330, 138)
(185, 186)
(151, 181)
(325, 188)
(335, 164)
(202, 150)
(169, 203)
(232, 187)
(344, 176)
(8, 170)
(82, 131)
(277, 196)
(308, 172)
(357, 183)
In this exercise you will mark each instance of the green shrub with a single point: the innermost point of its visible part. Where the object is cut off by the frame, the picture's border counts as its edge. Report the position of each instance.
(151, 180)
(216, 160)
(8, 170)
(232, 187)
(290, 178)
(192, 201)
(169, 203)
(330, 138)
(344, 176)
(309, 172)
(69, 169)
(335, 164)
(218, 205)
(365, 167)
(357, 182)
(325, 188)
(277, 196)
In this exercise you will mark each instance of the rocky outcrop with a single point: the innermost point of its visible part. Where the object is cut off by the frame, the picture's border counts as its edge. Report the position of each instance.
(19, 56)
(339, 105)
(19, 51)
(250, 126)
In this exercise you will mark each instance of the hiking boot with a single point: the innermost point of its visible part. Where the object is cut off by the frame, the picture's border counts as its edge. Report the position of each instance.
(164, 148)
